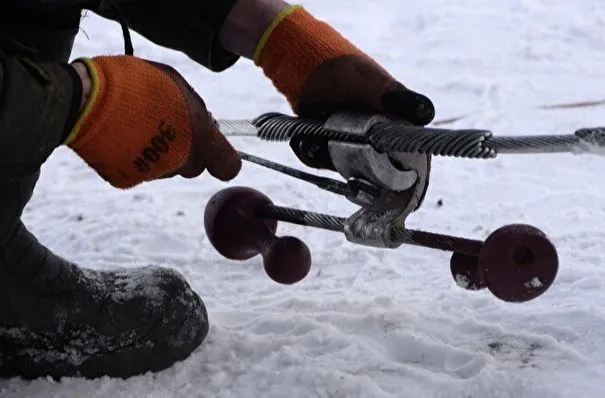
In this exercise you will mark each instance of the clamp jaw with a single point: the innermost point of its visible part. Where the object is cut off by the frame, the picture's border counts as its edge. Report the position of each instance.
(389, 187)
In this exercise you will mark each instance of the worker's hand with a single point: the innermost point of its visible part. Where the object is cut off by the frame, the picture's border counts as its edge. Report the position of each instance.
(142, 121)
(320, 72)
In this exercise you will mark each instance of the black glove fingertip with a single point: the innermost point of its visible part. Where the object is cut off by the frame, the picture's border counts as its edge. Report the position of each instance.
(409, 105)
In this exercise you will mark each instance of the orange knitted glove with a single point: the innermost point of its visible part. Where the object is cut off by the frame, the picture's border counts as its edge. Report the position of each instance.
(143, 122)
(320, 72)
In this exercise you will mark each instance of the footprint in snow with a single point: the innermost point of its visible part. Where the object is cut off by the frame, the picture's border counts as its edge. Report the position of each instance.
(515, 350)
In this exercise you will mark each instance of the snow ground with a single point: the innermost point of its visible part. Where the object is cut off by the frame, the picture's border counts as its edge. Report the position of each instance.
(369, 322)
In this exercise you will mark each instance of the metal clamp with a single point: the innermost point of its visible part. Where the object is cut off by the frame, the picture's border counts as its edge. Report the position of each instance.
(399, 182)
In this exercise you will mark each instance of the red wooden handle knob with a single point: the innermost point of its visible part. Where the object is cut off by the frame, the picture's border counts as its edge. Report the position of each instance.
(518, 262)
(237, 233)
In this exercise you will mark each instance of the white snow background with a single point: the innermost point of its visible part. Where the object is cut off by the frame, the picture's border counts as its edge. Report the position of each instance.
(370, 322)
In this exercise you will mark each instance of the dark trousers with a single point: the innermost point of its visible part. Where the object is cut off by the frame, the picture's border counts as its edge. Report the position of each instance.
(22, 257)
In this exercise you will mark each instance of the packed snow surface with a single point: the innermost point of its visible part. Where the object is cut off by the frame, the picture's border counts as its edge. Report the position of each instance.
(371, 322)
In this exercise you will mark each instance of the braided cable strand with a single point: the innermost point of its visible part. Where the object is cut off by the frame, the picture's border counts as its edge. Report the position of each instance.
(237, 128)
(278, 127)
(535, 144)
(461, 143)
(593, 138)
(282, 128)
(399, 235)
(399, 137)
(303, 217)
(478, 144)
(449, 243)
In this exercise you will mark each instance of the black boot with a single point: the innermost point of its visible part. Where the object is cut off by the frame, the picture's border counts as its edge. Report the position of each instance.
(57, 319)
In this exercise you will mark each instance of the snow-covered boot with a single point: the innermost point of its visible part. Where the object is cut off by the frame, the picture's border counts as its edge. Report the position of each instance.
(57, 319)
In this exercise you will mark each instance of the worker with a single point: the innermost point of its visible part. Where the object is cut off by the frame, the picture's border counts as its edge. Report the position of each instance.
(134, 121)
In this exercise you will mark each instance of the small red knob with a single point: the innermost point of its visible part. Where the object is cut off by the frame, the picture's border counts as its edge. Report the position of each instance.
(466, 272)
(238, 233)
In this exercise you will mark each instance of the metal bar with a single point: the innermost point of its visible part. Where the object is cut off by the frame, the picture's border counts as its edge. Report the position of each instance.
(325, 183)
(328, 222)
(432, 240)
